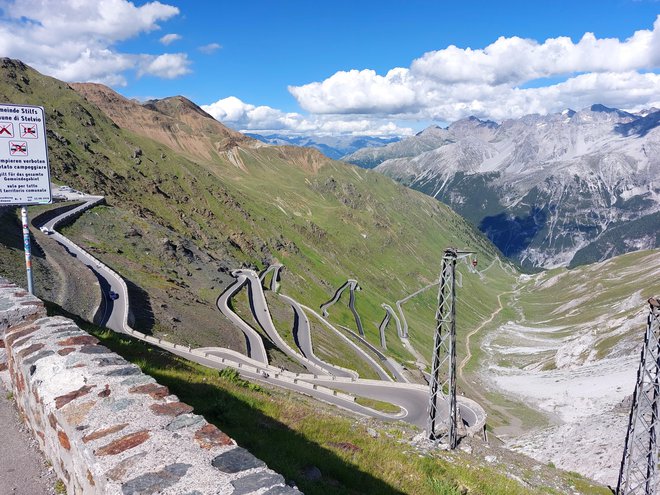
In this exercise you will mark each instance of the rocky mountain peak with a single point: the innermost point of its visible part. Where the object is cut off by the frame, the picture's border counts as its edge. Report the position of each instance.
(647, 111)
(431, 130)
(473, 125)
(545, 188)
(176, 122)
(176, 106)
(601, 112)
(597, 107)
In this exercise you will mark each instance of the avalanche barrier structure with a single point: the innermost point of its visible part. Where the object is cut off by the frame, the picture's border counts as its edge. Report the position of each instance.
(106, 427)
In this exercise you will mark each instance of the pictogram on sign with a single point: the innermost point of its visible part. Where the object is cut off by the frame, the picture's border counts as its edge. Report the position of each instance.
(6, 129)
(28, 131)
(18, 148)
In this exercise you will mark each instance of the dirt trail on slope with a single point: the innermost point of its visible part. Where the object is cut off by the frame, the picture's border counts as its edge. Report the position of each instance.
(473, 390)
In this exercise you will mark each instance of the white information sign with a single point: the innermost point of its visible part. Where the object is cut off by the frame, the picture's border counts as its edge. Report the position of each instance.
(24, 170)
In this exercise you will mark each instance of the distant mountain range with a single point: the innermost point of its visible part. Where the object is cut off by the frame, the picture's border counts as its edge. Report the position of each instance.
(560, 189)
(334, 147)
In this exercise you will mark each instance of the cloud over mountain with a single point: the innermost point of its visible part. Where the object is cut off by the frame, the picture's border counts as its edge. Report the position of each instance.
(235, 113)
(509, 78)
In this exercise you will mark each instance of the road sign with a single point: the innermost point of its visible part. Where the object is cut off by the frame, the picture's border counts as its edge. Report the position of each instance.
(24, 170)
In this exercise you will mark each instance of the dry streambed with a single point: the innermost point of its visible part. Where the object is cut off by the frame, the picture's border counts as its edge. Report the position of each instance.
(579, 374)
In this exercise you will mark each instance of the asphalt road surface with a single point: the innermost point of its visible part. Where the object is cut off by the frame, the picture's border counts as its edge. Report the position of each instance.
(254, 342)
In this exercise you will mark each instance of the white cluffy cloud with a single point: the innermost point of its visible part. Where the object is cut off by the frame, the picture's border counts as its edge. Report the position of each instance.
(170, 38)
(246, 117)
(508, 78)
(73, 40)
(168, 65)
(210, 48)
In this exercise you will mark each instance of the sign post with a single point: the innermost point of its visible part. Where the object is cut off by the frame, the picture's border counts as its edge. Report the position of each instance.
(24, 170)
(28, 250)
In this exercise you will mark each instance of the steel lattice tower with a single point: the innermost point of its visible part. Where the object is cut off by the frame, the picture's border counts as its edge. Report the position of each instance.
(638, 473)
(443, 374)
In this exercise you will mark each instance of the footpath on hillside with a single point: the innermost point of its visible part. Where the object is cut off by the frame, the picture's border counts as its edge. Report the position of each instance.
(23, 470)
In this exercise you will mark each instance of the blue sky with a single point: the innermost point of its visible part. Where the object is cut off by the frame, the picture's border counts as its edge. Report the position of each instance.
(373, 67)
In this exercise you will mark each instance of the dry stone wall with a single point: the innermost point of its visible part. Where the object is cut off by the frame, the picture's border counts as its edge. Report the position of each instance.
(108, 428)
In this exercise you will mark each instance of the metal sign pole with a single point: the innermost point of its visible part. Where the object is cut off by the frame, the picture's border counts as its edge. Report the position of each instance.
(28, 251)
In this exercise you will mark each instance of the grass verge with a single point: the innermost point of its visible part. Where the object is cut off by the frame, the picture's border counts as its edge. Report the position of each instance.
(292, 433)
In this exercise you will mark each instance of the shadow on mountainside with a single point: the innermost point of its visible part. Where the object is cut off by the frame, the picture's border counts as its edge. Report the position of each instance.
(513, 234)
(11, 234)
(639, 127)
(140, 311)
(105, 308)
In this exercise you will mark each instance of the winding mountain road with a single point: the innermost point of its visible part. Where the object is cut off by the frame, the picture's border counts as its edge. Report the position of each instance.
(303, 338)
(253, 341)
(394, 367)
(365, 355)
(115, 311)
(352, 286)
(276, 277)
(389, 314)
(260, 311)
(323, 385)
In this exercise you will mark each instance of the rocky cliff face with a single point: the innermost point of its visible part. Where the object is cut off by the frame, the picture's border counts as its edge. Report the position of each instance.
(175, 122)
(547, 190)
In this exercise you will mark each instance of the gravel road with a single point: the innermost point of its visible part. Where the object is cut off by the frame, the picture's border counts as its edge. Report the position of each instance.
(23, 469)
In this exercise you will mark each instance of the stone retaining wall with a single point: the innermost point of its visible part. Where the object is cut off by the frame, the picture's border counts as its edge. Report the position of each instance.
(106, 427)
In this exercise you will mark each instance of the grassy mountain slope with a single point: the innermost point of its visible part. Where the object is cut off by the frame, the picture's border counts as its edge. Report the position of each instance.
(604, 302)
(176, 224)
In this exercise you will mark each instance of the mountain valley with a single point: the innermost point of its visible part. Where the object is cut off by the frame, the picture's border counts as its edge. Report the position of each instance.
(188, 201)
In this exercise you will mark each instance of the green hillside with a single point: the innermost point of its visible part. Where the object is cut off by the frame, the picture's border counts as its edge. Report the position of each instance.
(175, 226)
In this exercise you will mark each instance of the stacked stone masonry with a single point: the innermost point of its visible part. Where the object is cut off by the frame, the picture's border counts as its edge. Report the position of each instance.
(106, 427)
